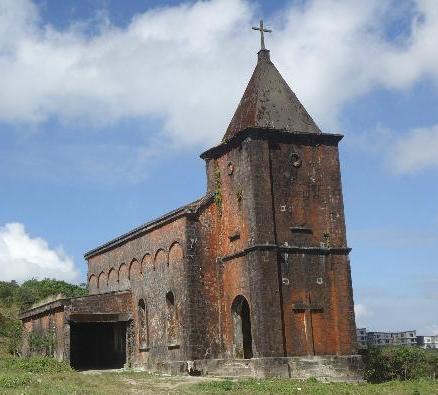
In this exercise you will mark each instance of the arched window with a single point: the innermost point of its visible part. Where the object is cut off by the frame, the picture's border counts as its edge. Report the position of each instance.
(172, 321)
(112, 280)
(160, 260)
(143, 325)
(102, 282)
(176, 255)
(242, 328)
(92, 284)
(147, 265)
(134, 270)
(123, 277)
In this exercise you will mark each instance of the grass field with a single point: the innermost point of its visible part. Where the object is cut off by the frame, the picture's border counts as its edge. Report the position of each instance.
(46, 376)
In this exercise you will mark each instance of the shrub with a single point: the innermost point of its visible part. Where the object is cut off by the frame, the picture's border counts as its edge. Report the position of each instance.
(432, 361)
(395, 363)
(34, 365)
(15, 335)
(15, 380)
(8, 291)
(11, 329)
(42, 344)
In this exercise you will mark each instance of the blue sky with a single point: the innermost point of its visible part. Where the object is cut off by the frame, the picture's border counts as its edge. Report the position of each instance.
(106, 105)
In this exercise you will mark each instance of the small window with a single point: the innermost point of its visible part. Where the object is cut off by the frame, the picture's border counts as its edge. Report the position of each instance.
(143, 329)
(172, 322)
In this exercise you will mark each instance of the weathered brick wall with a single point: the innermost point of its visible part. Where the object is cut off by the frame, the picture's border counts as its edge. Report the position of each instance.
(245, 219)
(151, 265)
(227, 178)
(94, 304)
(205, 340)
(308, 194)
(262, 261)
(308, 208)
(114, 269)
(283, 201)
(47, 324)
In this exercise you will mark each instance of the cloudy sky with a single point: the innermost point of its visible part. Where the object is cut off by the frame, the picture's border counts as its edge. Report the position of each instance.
(105, 106)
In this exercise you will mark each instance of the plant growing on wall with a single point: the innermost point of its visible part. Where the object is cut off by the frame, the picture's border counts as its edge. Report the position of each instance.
(326, 242)
(239, 197)
(42, 343)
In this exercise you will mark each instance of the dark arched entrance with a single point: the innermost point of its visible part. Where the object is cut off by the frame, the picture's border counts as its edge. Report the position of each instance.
(242, 342)
(98, 345)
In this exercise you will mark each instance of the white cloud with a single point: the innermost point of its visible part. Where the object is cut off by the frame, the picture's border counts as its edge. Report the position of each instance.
(187, 65)
(416, 151)
(407, 153)
(23, 257)
(361, 311)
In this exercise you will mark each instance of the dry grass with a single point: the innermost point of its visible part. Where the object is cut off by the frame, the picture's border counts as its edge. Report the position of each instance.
(46, 376)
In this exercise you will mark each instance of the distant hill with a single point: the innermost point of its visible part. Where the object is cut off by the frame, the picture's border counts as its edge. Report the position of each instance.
(15, 297)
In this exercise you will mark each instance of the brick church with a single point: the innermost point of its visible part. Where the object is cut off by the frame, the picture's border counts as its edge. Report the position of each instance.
(251, 279)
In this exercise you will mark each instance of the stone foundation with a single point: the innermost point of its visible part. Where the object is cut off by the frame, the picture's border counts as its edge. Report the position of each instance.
(324, 368)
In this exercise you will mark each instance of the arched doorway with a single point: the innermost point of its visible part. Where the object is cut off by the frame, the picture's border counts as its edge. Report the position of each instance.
(242, 328)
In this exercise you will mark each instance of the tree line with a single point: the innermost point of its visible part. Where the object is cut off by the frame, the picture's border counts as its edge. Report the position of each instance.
(33, 291)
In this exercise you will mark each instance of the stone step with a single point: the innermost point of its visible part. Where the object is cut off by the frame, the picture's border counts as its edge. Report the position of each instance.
(232, 369)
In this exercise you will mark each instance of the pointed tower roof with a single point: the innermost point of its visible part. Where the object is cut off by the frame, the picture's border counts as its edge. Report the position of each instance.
(268, 102)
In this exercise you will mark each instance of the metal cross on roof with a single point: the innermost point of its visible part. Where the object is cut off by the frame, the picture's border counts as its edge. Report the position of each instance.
(262, 30)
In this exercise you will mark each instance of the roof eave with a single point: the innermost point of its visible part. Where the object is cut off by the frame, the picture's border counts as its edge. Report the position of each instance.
(304, 138)
(187, 210)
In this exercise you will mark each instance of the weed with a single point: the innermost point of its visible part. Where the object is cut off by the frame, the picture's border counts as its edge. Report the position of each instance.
(15, 380)
(34, 365)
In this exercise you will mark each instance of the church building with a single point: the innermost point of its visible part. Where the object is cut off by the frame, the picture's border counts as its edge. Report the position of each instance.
(252, 279)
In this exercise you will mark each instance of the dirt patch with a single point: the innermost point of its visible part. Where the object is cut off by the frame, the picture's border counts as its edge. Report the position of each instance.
(146, 383)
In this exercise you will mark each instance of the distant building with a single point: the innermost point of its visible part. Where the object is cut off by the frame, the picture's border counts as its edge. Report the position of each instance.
(405, 338)
(428, 341)
(379, 339)
(361, 337)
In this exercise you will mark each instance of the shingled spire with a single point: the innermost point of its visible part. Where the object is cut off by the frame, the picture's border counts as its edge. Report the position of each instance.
(268, 102)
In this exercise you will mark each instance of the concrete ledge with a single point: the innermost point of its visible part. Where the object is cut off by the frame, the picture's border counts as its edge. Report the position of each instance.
(99, 317)
(324, 368)
(289, 249)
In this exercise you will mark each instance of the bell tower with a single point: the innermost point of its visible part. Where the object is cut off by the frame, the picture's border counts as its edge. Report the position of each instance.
(282, 238)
